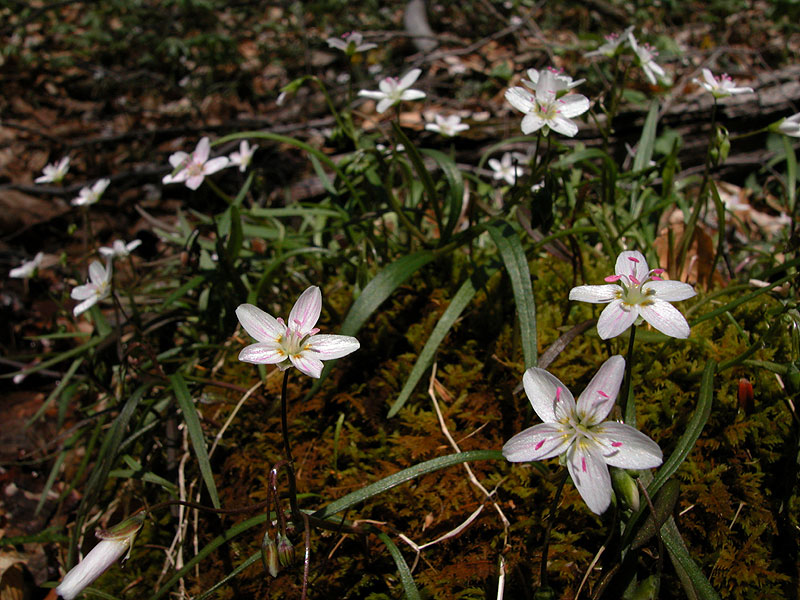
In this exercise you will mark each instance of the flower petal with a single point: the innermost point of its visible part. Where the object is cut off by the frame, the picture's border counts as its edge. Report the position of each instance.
(626, 447)
(409, 78)
(97, 273)
(532, 123)
(263, 353)
(202, 151)
(82, 292)
(412, 95)
(328, 347)
(632, 262)
(193, 182)
(305, 312)
(599, 397)
(307, 364)
(260, 325)
(563, 126)
(177, 159)
(384, 105)
(573, 105)
(666, 318)
(542, 388)
(616, 318)
(596, 294)
(590, 475)
(85, 305)
(371, 94)
(539, 442)
(671, 291)
(520, 99)
(94, 564)
(215, 164)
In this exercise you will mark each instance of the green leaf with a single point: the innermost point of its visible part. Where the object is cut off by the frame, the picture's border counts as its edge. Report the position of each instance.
(510, 248)
(387, 483)
(457, 305)
(644, 151)
(423, 174)
(455, 182)
(697, 585)
(195, 433)
(410, 588)
(791, 173)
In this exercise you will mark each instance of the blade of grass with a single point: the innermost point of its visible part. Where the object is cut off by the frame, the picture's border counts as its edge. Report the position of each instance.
(510, 248)
(455, 184)
(409, 587)
(457, 305)
(192, 421)
(685, 565)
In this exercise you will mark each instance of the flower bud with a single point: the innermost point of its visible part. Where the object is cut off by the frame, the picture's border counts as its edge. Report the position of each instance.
(269, 555)
(625, 488)
(114, 543)
(286, 554)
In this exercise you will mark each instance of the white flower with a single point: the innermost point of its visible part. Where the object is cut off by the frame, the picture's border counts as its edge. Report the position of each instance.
(296, 343)
(561, 81)
(350, 43)
(635, 292)
(447, 126)
(54, 173)
(645, 53)
(545, 108)
(505, 168)
(579, 432)
(393, 91)
(195, 166)
(119, 249)
(91, 195)
(243, 156)
(91, 293)
(114, 543)
(790, 126)
(721, 88)
(28, 268)
(613, 42)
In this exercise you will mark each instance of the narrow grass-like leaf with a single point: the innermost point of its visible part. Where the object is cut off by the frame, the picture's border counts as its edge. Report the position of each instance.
(56, 359)
(195, 434)
(684, 562)
(455, 183)
(387, 483)
(743, 299)
(62, 384)
(253, 558)
(644, 151)
(510, 247)
(457, 305)
(182, 290)
(791, 173)
(409, 587)
(423, 174)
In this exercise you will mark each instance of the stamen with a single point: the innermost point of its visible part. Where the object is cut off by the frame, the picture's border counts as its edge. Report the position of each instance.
(612, 278)
(539, 445)
(583, 464)
(616, 444)
(633, 259)
(602, 393)
(634, 280)
(558, 394)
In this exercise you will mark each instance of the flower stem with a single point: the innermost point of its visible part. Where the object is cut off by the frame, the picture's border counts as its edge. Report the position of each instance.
(629, 411)
(546, 542)
(287, 450)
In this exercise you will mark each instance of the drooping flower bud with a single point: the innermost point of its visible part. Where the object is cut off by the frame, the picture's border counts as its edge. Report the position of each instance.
(269, 555)
(286, 554)
(625, 488)
(114, 543)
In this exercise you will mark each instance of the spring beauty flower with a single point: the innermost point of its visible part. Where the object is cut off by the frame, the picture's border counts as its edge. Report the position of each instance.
(27, 269)
(561, 81)
(195, 166)
(351, 43)
(613, 42)
(645, 55)
(505, 168)
(393, 91)
(546, 108)
(243, 157)
(722, 87)
(296, 343)
(114, 543)
(790, 126)
(633, 293)
(449, 126)
(55, 172)
(119, 249)
(98, 288)
(91, 195)
(579, 432)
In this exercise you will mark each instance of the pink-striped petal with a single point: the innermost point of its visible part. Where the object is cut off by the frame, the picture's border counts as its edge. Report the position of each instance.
(599, 397)
(215, 164)
(666, 318)
(572, 105)
(305, 312)
(260, 325)
(550, 398)
(307, 364)
(409, 78)
(596, 294)
(328, 347)
(616, 318)
(264, 353)
(532, 123)
(632, 262)
(202, 150)
(539, 442)
(590, 475)
(626, 447)
(671, 291)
